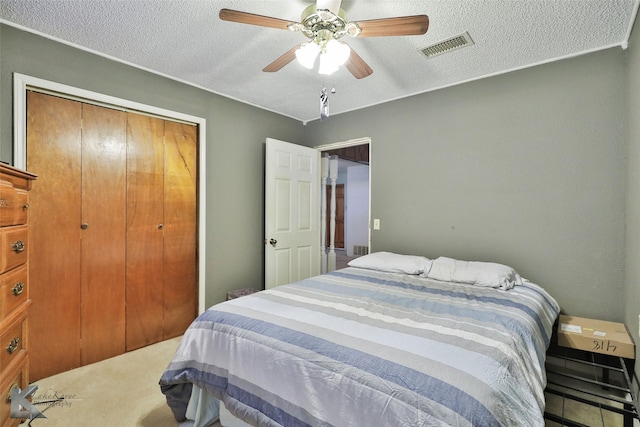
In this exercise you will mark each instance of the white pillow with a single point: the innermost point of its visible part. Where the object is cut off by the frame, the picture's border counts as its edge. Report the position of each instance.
(487, 274)
(394, 263)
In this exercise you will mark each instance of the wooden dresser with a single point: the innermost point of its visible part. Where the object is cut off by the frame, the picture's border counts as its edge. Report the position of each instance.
(14, 285)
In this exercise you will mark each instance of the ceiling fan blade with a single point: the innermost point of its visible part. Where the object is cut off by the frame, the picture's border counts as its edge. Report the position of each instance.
(283, 60)
(331, 5)
(401, 26)
(356, 66)
(252, 19)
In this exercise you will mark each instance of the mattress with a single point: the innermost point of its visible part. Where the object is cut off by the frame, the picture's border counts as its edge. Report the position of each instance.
(362, 347)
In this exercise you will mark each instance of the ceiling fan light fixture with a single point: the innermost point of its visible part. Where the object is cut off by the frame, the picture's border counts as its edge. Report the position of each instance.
(338, 52)
(334, 55)
(327, 66)
(325, 23)
(307, 54)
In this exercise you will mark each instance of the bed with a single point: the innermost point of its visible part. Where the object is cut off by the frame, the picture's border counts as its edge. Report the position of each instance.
(391, 340)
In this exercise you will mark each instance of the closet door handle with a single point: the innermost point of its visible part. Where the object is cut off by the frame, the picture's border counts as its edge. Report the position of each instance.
(18, 246)
(17, 289)
(160, 226)
(84, 226)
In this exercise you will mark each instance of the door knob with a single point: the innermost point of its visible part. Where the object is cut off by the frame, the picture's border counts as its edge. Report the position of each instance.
(84, 226)
(273, 242)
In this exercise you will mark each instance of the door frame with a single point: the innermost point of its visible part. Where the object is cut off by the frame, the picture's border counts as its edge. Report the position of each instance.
(351, 143)
(22, 83)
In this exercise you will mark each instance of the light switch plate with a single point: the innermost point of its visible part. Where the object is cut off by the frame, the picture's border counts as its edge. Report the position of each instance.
(376, 224)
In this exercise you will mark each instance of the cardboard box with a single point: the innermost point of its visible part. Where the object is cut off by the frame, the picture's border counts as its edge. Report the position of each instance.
(597, 336)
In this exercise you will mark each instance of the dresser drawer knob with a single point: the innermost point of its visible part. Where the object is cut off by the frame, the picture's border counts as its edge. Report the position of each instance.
(18, 246)
(17, 289)
(13, 345)
(26, 207)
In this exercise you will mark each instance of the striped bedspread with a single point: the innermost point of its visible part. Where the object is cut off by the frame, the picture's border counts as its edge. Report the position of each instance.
(359, 347)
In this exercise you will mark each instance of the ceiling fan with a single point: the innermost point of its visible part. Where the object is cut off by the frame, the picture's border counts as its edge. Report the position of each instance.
(324, 23)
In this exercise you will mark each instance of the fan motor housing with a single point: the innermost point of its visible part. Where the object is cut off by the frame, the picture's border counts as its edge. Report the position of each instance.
(315, 22)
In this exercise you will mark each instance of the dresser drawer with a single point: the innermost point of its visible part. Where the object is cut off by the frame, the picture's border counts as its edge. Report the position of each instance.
(13, 204)
(14, 289)
(13, 247)
(13, 339)
(17, 378)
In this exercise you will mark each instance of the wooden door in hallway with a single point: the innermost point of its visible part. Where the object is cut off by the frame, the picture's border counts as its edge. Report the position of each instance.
(339, 231)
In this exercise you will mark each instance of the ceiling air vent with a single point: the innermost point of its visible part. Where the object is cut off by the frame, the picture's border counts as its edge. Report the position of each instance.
(448, 45)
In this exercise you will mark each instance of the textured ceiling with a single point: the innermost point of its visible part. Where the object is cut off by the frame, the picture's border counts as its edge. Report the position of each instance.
(185, 40)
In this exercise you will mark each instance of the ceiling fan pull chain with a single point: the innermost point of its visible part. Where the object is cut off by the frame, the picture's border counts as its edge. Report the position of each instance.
(324, 104)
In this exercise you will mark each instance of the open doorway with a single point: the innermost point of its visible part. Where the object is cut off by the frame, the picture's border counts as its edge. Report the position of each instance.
(351, 185)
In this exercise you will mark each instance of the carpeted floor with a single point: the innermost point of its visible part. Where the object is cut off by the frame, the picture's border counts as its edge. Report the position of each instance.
(123, 391)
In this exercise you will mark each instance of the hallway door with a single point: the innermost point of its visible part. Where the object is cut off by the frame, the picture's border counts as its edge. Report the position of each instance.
(292, 211)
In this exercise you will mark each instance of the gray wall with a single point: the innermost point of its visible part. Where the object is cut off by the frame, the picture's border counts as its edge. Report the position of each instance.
(235, 145)
(525, 169)
(632, 265)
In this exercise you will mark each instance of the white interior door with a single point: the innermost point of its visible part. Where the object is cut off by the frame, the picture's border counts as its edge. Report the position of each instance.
(292, 210)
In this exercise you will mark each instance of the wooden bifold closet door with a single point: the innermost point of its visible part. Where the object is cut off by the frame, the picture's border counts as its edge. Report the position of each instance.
(113, 261)
(161, 229)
